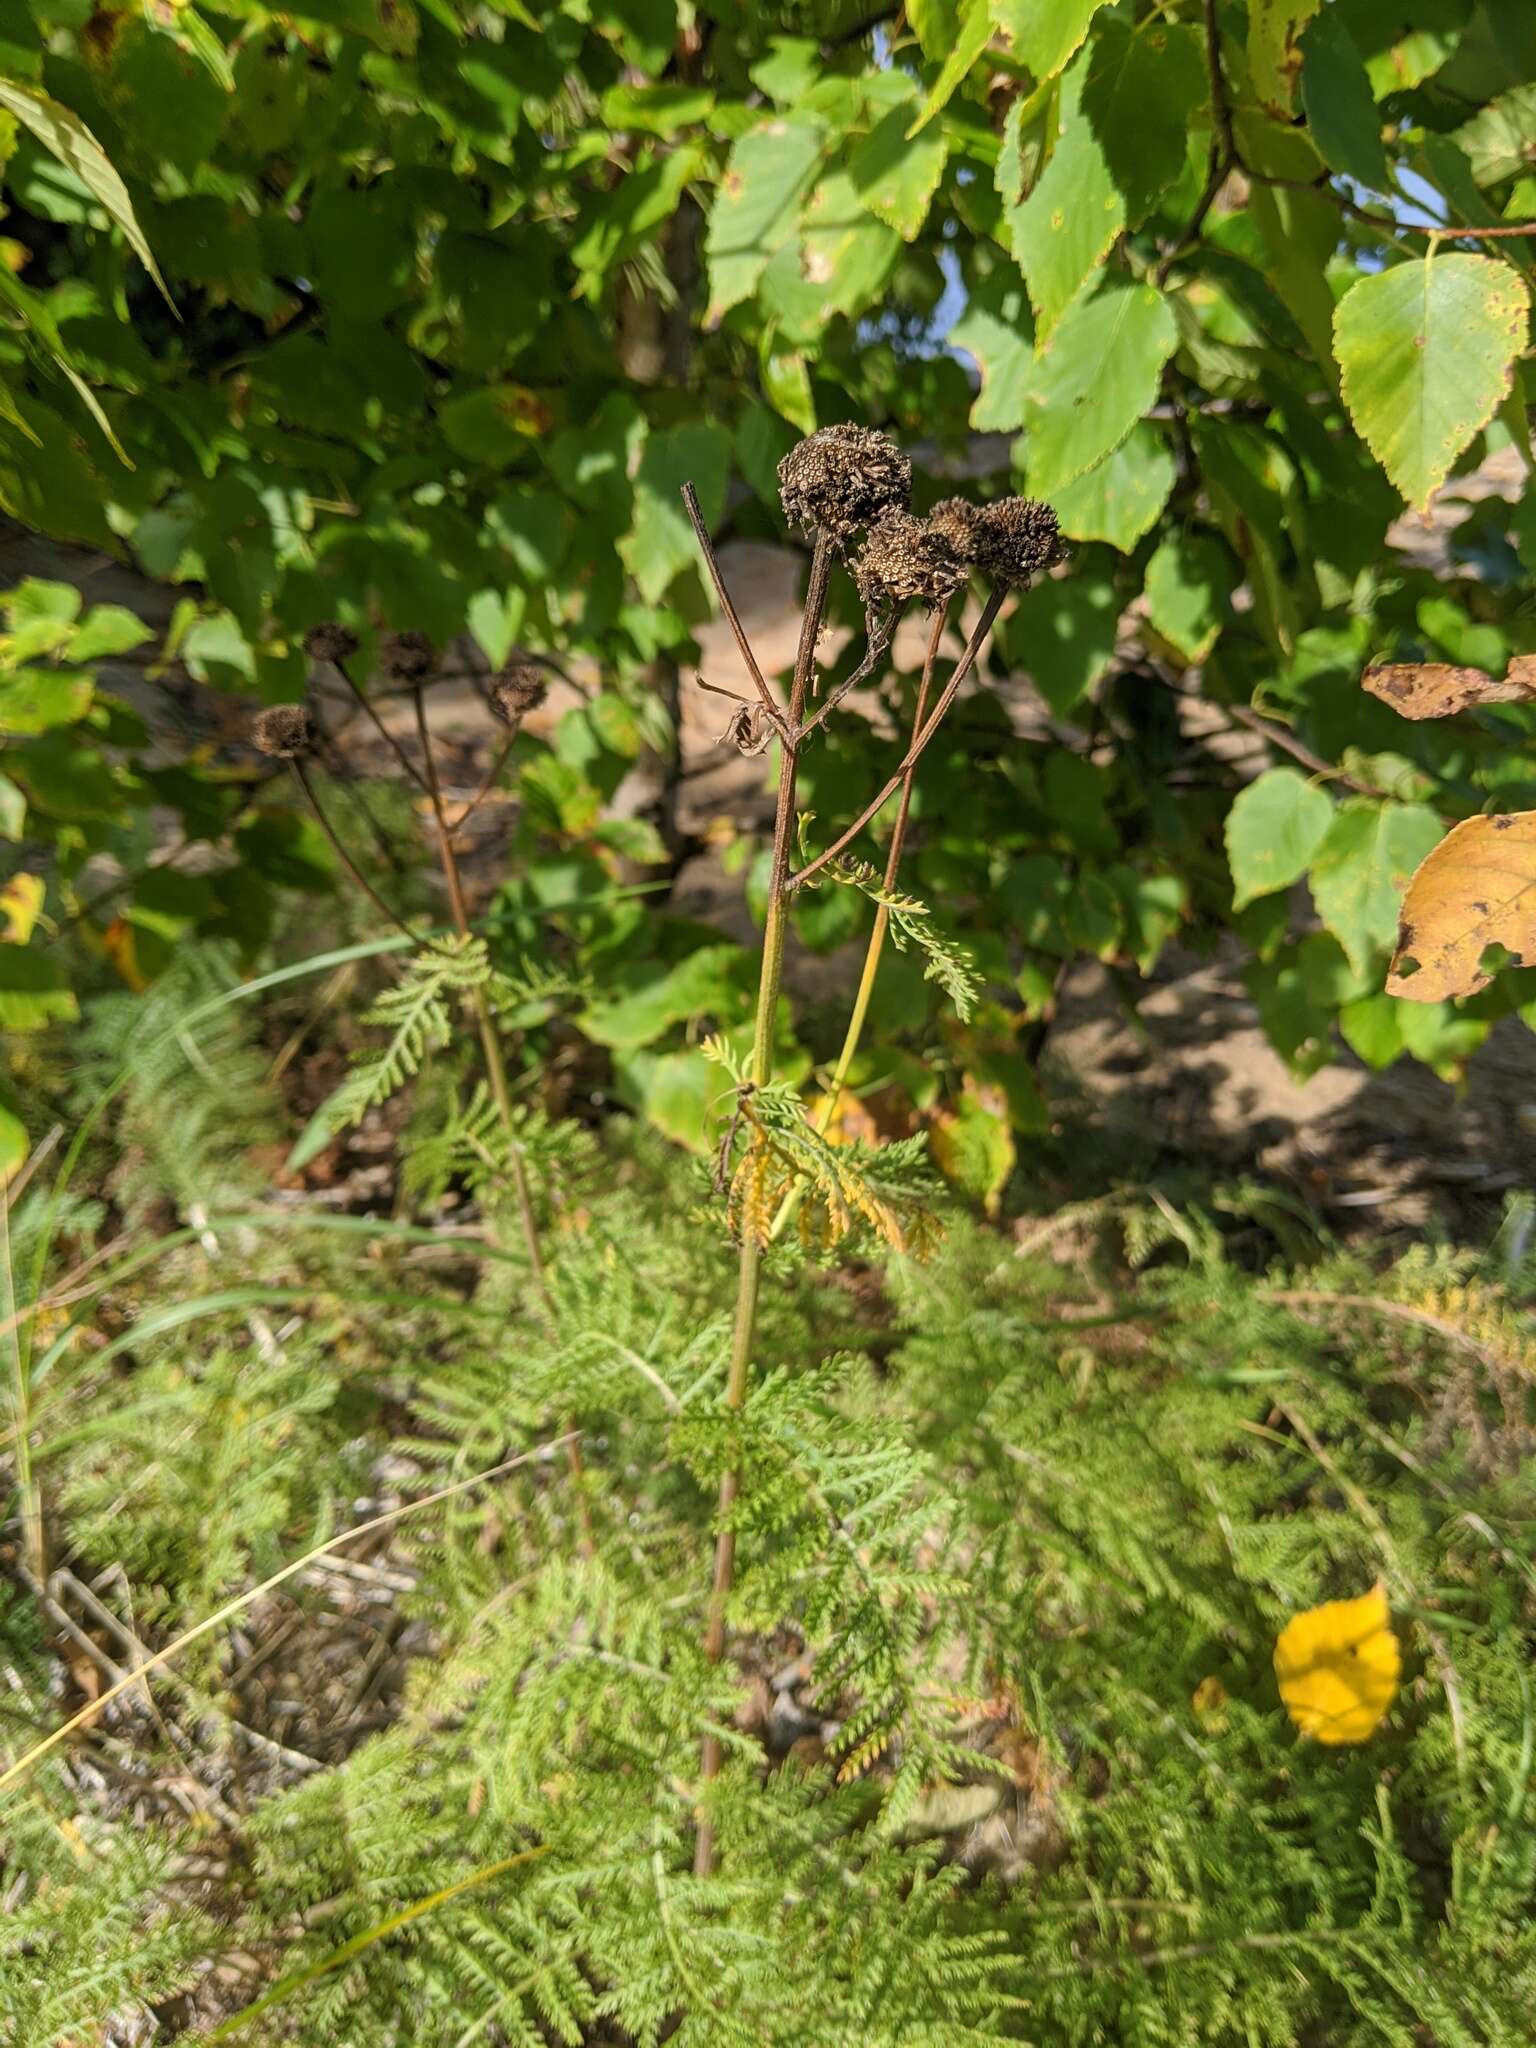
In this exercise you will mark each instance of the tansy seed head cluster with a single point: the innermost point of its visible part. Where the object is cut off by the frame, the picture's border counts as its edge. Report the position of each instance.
(407, 657)
(904, 558)
(283, 731)
(1015, 539)
(955, 520)
(842, 478)
(516, 692)
(330, 642)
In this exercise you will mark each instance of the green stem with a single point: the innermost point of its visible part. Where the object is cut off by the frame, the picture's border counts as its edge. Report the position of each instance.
(32, 1544)
(749, 1271)
(876, 947)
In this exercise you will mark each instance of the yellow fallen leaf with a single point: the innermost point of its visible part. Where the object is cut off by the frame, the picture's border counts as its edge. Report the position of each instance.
(1338, 1666)
(21, 904)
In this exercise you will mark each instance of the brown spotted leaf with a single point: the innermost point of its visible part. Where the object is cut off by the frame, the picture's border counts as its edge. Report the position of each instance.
(1476, 890)
(1439, 689)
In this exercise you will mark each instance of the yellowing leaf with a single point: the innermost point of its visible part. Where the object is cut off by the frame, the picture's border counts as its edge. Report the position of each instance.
(21, 903)
(1476, 889)
(1338, 1667)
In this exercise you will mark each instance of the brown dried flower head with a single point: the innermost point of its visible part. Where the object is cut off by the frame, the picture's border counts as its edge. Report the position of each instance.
(955, 520)
(1016, 538)
(842, 478)
(285, 731)
(903, 558)
(407, 657)
(330, 642)
(516, 692)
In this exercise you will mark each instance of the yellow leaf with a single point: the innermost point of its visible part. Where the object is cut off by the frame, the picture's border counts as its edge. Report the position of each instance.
(1476, 889)
(1338, 1666)
(21, 903)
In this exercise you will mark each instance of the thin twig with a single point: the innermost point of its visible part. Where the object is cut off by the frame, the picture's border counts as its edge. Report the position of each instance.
(914, 752)
(389, 739)
(732, 616)
(344, 857)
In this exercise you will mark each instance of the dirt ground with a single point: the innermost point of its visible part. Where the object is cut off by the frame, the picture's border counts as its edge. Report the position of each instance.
(1190, 1076)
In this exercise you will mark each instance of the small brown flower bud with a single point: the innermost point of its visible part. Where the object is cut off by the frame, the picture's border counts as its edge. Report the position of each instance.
(330, 642)
(955, 520)
(842, 478)
(407, 657)
(903, 558)
(516, 692)
(1017, 538)
(285, 731)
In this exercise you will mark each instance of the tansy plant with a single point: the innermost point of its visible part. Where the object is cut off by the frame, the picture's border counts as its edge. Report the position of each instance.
(849, 489)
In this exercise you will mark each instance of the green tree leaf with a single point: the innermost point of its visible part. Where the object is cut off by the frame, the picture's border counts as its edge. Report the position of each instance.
(66, 137)
(754, 212)
(1361, 869)
(1274, 49)
(1188, 587)
(1094, 379)
(1273, 833)
(1499, 140)
(1427, 352)
(1045, 34)
(996, 328)
(1119, 498)
(971, 38)
(1067, 225)
(1340, 106)
(896, 179)
(661, 542)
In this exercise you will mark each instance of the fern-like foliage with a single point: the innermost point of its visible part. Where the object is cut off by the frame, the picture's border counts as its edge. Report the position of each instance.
(886, 1188)
(418, 1014)
(945, 960)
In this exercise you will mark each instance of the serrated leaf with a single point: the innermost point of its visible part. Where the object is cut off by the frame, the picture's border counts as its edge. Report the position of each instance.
(65, 136)
(1339, 104)
(1500, 139)
(1045, 34)
(1189, 585)
(1274, 49)
(1067, 225)
(1119, 499)
(1094, 379)
(996, 328)
(753, 216)
(896, 179)
(1362, 868)
(1476, 889)
(971, 38)
(1427, 351)
(1273, 832)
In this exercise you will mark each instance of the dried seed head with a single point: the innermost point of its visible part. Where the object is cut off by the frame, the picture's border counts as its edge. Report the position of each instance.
(903, 558)
(955, 520)
(516, 692)
(330, 642)
(285, 731)
(407, 657)
(1016, 538)
(842, 478)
